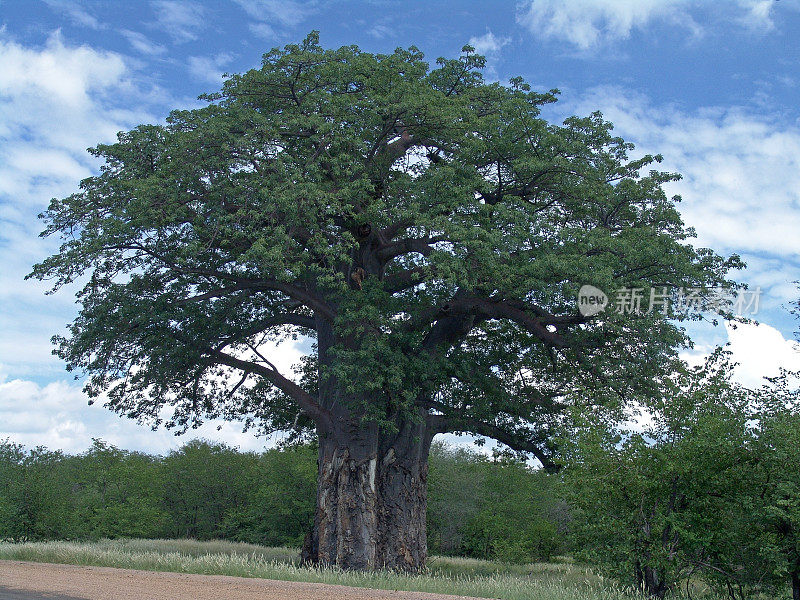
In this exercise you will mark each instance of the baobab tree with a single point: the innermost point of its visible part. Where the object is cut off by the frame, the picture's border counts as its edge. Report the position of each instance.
(426, 230)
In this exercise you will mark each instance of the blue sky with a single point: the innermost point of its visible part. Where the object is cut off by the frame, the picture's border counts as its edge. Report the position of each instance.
(713, 86)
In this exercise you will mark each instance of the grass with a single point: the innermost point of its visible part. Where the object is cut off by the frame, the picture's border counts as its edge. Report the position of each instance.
(458, 576)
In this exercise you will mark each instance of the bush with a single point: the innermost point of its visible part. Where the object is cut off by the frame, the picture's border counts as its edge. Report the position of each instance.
(490, 507)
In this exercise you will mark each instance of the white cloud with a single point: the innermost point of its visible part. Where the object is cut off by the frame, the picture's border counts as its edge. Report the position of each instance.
(75, 13)
(286, 13)
(379, 32)
(181, 19)
(272, 15)
(141, 43)
(741, 177)
(51, 108)
(55, 101)
(209, 68)
(62, 74)
(758, 14)
(263, 30)
(761, 351)
(488, 44)
(591, 23)
(776, 275)
(57, 415)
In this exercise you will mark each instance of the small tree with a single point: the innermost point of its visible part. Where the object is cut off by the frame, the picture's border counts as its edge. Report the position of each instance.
(429, 232)
(495, 508)
(778, 465)
(203, 483)
(12, 457)
(113, 493)
(680, 497)
(279, 509)
(514, 523)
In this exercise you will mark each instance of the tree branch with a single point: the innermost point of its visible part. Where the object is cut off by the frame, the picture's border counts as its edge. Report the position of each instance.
(308, 404)
(274, 321)
(454, 320)
(449, 424)
(403, 280)
(394, 150)
(293, 290)
(408, 245)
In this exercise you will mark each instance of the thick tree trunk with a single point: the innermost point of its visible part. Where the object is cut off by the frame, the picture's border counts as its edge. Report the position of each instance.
(371, 500)
(796, 585)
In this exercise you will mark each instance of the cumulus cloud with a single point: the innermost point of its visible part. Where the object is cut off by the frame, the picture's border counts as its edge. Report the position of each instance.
(64, 75)
(181, 19)
(57, 415)
(589, 24)
(740, 190)
(489, 46)
(741, 177)
(761, 351)
(55, 101)
(488, 43)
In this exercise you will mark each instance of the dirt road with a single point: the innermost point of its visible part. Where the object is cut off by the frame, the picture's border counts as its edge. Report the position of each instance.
(42, 581)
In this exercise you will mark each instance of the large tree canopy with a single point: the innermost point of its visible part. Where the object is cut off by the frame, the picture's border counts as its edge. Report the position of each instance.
(428, 230)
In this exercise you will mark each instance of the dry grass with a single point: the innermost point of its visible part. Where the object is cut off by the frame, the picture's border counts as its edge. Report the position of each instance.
(459, 576)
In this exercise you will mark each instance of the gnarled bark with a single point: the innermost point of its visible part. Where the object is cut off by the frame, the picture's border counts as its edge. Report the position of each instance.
(371, 500)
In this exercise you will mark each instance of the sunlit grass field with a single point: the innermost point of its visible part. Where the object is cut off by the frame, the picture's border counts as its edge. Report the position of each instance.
(445, 575)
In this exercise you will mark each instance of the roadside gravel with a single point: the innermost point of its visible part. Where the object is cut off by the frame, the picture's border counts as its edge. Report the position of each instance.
(44, 580)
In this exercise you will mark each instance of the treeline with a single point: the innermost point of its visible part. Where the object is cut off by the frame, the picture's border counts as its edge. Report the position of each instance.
(203, 491)
(479, 506)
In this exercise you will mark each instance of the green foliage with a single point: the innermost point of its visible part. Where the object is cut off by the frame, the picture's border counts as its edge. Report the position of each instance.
(478, 506)
(492, 509)
(11, 481)
(202, 490)
(34, 500)
(778, 468)
(201, 483)
(280, 506)
(115, 494)
(456, 493)
(709, 489)
(430, 229)
(500, 536)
